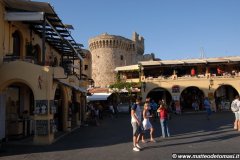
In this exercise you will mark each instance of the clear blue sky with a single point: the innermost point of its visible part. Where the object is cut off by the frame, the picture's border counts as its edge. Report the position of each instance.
(173, 29)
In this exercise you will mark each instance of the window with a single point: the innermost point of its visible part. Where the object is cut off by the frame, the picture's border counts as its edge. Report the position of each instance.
(55, 62)
(121, 57)
(37, 53)
(85, 67)
(16, 43)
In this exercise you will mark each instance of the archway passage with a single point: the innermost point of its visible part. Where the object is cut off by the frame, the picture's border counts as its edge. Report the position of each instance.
(190, 95)
(160, 94)
(19, 107)
(59, 101)
(224, 95)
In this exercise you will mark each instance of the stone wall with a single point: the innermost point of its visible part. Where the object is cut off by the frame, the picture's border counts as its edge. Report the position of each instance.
(109, 52)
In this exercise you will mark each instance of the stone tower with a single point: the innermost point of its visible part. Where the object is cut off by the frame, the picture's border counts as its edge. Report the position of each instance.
(111, 51)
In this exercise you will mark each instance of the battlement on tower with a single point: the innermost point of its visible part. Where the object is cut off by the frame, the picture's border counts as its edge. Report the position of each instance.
(111, 51)
(139, 43)
(111, 41)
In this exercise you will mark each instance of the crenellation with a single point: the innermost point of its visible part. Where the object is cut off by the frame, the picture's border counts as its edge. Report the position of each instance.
(113, 51)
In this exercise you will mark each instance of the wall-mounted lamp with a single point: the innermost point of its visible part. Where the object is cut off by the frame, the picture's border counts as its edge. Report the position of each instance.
(210, 84)
(144, 85)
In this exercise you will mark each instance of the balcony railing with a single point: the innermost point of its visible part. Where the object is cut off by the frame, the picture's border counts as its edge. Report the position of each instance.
(189, 77)
(11, 58)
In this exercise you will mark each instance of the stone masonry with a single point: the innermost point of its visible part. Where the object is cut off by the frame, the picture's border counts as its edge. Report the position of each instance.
(111, 51)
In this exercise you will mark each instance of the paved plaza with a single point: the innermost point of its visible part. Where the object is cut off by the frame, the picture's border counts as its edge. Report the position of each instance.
(191, 133)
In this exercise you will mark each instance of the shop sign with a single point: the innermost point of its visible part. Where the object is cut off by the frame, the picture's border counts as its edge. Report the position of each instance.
(176, 89)
(41, 127)
(53, 127)
(41, 107)
(53, 108)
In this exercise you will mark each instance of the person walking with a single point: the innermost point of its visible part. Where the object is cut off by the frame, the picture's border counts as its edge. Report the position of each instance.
(136, 119)
(195, 105)
(163, 115)
(238, 104)
(235, 108)
(146, 122)
(207, 106)
(154, 107)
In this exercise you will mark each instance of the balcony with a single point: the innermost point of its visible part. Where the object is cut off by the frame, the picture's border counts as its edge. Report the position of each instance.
(189, 77)
(11, 58)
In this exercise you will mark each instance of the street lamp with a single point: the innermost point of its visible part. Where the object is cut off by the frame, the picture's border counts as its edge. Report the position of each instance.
(210, 84)
(144, 86)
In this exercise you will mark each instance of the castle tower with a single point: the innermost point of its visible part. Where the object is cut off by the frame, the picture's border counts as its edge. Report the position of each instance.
(111, 51)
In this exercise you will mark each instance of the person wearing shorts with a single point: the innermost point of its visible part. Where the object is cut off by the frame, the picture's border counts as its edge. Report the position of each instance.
(237, 114)
(136, 123)
(146, 122)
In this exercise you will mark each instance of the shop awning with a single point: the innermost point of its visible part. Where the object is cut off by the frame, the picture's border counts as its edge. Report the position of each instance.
(98, 97)
(77, 88)
(55, 32)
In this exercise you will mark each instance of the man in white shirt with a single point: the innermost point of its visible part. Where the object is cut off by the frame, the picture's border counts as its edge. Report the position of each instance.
(238, 121)
(136, 120)
(236, 102)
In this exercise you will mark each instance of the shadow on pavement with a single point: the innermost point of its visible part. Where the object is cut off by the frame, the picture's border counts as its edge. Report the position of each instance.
(185, 129)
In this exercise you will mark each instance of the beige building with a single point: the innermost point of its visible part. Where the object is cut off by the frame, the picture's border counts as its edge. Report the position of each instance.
(87, 68)
(42, 89)
(111, 51)
(187, 80)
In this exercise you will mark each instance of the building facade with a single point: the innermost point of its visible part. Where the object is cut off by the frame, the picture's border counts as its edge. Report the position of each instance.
(111, 51)
(187, 80)
(42, 92)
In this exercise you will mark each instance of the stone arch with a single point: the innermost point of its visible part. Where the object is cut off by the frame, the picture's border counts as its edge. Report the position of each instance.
(189, 95)
(107, 43)
(61, 102)
(104, 43)
(114, 43)
(16, 80)
(98, 45)
(160, 93)
(17, 101)
(110, 43)
(224, 95)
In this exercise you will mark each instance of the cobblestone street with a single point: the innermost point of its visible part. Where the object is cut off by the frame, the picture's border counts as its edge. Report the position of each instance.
(191, 133)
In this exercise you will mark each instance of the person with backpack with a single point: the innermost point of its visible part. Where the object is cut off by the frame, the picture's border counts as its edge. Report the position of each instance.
(207, 106)
(235, 107)
(136, 121)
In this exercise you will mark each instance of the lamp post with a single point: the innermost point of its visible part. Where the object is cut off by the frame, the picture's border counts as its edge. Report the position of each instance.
(210, 84)
(144, 86)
